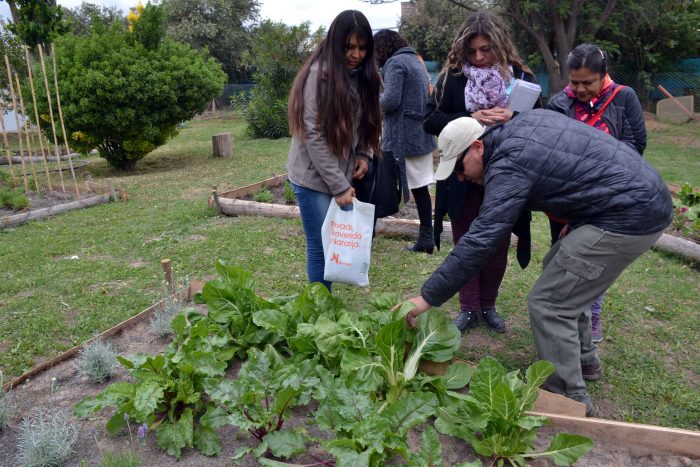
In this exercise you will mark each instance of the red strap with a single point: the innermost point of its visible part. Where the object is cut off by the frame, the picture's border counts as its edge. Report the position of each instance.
(596, 117)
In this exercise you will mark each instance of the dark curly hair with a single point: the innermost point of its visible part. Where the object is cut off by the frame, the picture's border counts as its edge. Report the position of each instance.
(386, 42)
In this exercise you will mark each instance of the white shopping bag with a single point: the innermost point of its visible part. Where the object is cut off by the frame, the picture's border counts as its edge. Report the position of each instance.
(347, 243)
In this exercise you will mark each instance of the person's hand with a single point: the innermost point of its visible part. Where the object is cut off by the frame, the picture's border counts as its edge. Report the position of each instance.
(345, 198)
(421, 306)
(361, 168)
(564, 232)
(492, 116)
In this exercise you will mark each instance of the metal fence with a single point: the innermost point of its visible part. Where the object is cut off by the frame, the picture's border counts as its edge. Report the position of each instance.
(234, 96)
(646, 86)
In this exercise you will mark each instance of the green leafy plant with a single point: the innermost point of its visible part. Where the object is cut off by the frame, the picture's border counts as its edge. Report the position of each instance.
(97, 361)
(161, 321)
(46, 438)
(13, 199)
(288, 193)
(688, 195)
(169, 391)
(686, 212)
(493, 418)
(264, 196)
(125, 93)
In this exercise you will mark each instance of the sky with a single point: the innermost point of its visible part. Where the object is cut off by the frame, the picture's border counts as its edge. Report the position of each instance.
(292, 12)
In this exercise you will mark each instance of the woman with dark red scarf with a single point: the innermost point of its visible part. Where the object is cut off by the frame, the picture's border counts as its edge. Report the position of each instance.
(594, 98)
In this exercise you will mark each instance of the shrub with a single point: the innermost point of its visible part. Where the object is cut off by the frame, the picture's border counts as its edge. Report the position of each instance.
(46, 439)
(124, 93)
(264, 196)
(276, 55)
(14, 199)
(161, 322)
(97, 361)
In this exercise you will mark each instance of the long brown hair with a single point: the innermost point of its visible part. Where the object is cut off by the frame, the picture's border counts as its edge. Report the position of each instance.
(336, 106)
(492, 27)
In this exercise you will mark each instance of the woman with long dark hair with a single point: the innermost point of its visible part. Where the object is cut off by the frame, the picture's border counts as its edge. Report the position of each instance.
(335, 122)
(481, 68)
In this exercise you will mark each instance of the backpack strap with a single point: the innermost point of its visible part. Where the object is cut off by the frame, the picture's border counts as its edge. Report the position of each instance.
(592, 121)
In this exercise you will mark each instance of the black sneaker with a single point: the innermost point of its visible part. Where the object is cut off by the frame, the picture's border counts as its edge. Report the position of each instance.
(494, 321)
(591, 372)
(466, 320)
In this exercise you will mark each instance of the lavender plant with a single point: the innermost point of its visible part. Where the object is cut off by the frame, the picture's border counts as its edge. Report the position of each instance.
(97, 361)
(161, 322)
(46, 438)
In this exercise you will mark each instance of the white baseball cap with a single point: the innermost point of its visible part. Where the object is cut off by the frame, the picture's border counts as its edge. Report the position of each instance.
(454, 139)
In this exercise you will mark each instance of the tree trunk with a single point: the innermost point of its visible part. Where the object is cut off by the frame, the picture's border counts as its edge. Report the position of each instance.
(223, 147)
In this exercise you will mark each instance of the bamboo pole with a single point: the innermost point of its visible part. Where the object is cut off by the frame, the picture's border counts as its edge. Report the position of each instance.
(36, 118)
(53, 123)
(14, 108)
(60, 116)
(7, 149)
(26, 133)
(675, 101)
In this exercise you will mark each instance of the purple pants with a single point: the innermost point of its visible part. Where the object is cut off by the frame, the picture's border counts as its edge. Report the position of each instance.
(481, 291)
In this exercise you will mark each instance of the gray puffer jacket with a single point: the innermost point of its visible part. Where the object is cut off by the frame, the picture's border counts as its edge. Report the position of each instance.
(544, 161)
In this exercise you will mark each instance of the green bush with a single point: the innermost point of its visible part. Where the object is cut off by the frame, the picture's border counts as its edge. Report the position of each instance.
(277, 53)
(264, 196)
(13, 199)
(125, 93)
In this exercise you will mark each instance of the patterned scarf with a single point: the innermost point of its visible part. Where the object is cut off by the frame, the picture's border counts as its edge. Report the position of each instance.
(585, 111)
(485, 88)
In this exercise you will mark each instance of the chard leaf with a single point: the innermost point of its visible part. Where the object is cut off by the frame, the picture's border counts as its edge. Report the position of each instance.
(442, 338)
(458, 375)
(116, 424)
(348, 457)
(390, 343)
(273, 463)
(565, 449)
(403, 310)
(535, 375)
(430, 454)
(302, 345)
(362, 371)
(206, 363)
(173, 437)
(133, 361)
(206, 440)
(531, 421)
(476, 463)
(215, 417)
(224, 392)
(272, 320)
(113, 395)
(146, 398)
(285, 443)
(410, 411)
(504, 403)
(384, 302)
(330, 337)
(489, 373)
(316, 301)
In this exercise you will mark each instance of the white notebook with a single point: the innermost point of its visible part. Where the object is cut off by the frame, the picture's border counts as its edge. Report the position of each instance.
(523, 96)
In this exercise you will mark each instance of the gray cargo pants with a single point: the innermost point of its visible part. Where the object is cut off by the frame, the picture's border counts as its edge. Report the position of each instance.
(576, 270)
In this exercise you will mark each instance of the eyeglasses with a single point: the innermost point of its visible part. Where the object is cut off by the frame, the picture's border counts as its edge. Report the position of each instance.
(459, 165)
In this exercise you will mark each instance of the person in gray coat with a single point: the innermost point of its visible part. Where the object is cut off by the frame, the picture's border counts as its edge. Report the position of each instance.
(616, 203)
(404, 100)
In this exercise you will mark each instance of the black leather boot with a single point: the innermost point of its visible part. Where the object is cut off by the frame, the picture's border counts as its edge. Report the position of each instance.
(494, 321)
(466, 320)
(425, 243)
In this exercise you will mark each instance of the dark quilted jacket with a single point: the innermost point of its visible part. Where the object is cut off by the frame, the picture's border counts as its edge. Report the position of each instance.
(544, 161)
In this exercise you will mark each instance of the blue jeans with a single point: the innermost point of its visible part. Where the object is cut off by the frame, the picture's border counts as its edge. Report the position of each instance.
(313, 206)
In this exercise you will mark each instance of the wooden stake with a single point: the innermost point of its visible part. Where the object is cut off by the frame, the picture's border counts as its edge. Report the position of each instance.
(26, 133)
(60, 116)
(7, 149)
(53, 122)
(168, 273)
(36, 118)
(14, 109)
(675, 101)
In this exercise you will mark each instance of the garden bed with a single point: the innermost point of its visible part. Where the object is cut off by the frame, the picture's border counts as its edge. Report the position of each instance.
(60, 386)
(47, 204)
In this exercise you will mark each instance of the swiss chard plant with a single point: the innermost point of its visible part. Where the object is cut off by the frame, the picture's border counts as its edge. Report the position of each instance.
(168, 394)
(493, 418)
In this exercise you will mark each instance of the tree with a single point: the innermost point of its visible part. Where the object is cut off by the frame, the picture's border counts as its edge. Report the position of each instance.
(36, 21)
(220, 26)
(276, 54)
(11, 46)
(81, 20)
(125, 93)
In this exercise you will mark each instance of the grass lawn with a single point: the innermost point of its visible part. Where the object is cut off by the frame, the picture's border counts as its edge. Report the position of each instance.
(50, 302)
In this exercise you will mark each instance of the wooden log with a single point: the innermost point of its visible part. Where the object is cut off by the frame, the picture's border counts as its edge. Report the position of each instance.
(647, 438)
(276, 180)
(675, 101)
(17, 159)
(678, 246)
(118, 194)
(168, 274)
(17, 219)
(109, 332)
(222, 144)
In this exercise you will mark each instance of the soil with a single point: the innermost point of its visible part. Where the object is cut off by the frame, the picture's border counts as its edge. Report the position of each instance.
(93, 440)
(44, 200)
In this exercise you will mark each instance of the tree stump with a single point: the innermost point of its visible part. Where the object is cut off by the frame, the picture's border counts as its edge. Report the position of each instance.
(222, 145)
